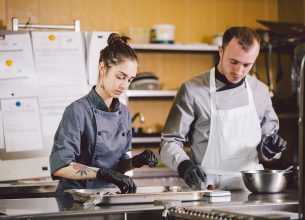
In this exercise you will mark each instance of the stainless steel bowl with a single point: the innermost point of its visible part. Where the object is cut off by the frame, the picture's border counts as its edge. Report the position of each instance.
(265, 181)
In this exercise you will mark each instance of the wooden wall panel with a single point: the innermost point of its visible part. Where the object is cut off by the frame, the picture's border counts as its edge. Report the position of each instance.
(258, 9)
(24, 10)
(291, 11)
(154, 111)
(196, 21)
(145, 13)
(201, 20)
(2, 14)
(229, 13)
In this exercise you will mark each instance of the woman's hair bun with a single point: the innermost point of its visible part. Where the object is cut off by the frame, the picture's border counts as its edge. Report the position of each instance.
(115, 38)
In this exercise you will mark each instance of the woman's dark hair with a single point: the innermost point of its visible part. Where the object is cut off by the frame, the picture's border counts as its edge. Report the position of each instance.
(116, 51)
(245, 36)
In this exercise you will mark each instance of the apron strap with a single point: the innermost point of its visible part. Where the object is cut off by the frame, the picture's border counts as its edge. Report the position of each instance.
(213, 91)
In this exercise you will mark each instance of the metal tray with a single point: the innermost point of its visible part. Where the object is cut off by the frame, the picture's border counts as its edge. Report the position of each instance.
(91, 197)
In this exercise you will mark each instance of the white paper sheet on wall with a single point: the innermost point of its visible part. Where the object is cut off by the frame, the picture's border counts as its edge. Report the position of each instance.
(17, 71)
(22, 87)
(96, 41)
(52, 110)
(16, 56)
(22, 125)
(1, 132)
(61, 72)
(60, 63)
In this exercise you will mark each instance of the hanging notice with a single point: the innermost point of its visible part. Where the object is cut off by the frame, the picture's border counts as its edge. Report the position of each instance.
(1, 132)
(60, 63)
(61, 73)
(17, 71)
(21, 123)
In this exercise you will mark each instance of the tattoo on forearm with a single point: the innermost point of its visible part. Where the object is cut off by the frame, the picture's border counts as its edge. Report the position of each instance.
(81, 169)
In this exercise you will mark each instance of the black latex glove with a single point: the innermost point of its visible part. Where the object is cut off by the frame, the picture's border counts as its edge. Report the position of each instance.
(271, 145)
(125, 183)
(147, 157)
(191, 173)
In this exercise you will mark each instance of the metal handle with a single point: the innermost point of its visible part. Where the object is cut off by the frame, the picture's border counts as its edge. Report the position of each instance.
(16, 25)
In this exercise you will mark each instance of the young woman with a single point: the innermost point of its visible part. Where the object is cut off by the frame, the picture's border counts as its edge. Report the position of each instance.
(93, 141)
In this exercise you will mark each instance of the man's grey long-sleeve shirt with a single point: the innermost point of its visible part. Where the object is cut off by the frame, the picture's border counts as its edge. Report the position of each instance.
(190, 115)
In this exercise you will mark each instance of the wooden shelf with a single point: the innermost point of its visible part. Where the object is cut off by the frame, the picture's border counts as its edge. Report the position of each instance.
(147, 140)
(150, 93)
(176, 47)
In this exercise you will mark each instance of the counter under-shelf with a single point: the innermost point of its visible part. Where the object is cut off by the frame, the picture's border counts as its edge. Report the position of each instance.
(60, 208)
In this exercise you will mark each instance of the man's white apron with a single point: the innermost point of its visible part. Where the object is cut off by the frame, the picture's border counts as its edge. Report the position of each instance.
(234, 135)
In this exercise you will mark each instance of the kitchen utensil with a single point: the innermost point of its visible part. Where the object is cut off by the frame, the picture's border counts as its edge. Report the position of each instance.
(145, 81)
(107, 196)
(265, 181)
(163, 34)
(287, 169)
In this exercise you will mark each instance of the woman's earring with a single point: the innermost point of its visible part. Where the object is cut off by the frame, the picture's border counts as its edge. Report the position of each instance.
(102, 84)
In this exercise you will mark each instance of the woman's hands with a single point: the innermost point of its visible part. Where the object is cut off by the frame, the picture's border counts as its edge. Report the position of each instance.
(125, 183)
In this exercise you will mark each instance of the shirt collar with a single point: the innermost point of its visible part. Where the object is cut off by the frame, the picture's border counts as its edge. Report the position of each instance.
(223, 79)
(99, 103)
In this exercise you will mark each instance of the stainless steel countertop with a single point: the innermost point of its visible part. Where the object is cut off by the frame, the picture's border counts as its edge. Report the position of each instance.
(47, 187)
(34, 199)
(51, 207)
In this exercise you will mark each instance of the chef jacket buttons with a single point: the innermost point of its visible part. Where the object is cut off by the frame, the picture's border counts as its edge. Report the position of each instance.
(99, 133)
(95, 111)
(120, 112)
(123, 134)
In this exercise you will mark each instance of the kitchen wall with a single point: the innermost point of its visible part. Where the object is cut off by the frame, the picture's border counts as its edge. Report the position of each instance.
(2, 14)
(291, 11)
(195, 21)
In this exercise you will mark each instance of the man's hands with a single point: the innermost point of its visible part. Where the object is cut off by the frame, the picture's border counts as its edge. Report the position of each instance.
(125, 183)
(191, 173)
(271, 145)
(147, 157)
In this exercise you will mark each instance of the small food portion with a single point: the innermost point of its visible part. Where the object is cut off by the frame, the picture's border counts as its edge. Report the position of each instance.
(211, 187)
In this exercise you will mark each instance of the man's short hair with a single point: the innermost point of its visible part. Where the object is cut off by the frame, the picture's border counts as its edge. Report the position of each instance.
(245, 36)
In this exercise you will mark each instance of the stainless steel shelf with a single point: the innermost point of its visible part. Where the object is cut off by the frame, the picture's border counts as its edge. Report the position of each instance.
(145, 140)
(150, 93)
(176, 47)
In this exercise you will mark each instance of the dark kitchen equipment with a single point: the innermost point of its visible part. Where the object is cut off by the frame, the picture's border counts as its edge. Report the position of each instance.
(279, 73)
(146, 81)
(280, 37)
(301, 140)
(268, 64)
(285, 28)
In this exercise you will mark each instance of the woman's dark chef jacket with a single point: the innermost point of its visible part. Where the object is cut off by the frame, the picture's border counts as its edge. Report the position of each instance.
(90, 135)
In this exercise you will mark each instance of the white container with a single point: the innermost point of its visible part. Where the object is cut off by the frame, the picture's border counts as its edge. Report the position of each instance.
(163, 33)
(217, 39)
(139, 35)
